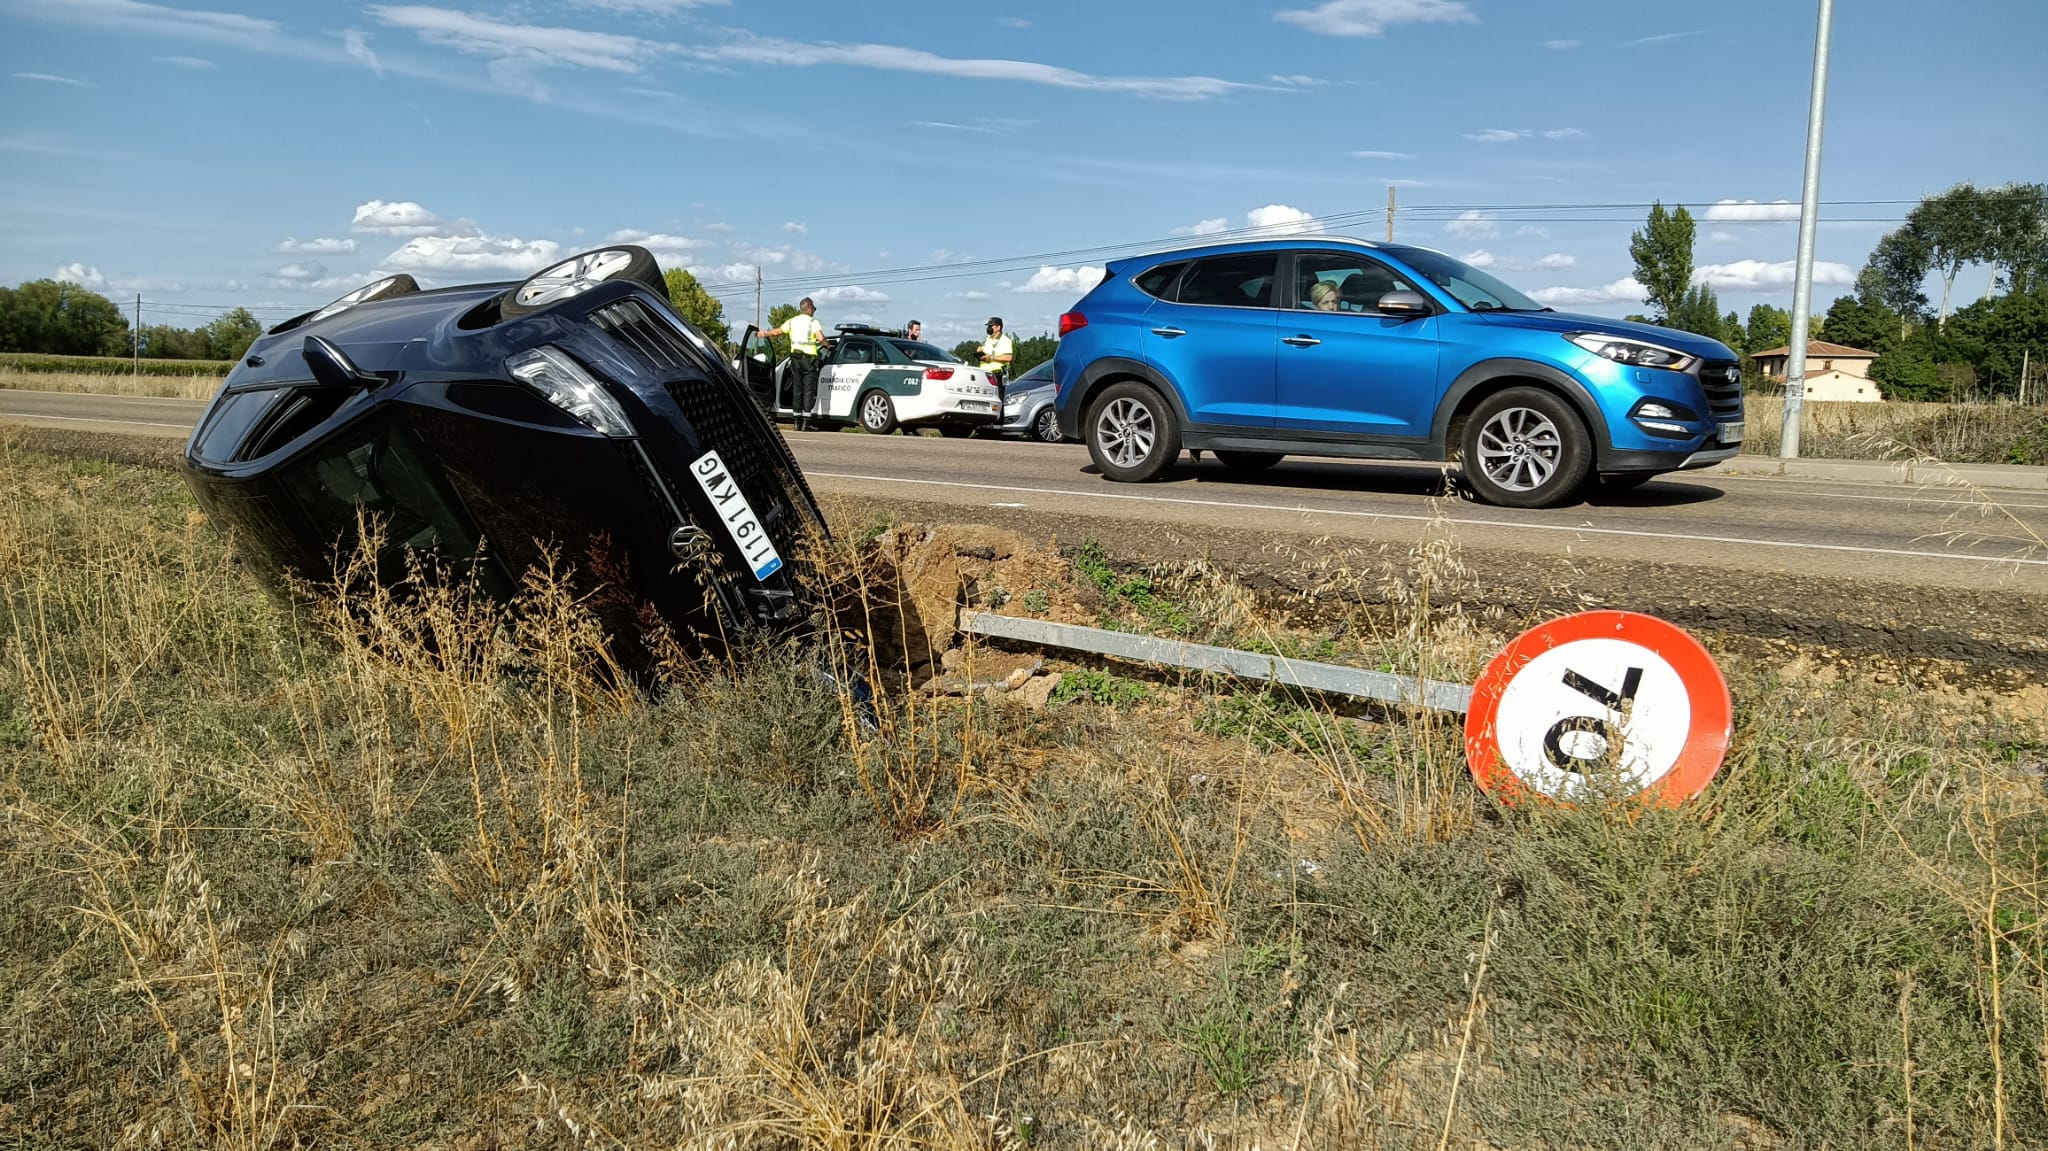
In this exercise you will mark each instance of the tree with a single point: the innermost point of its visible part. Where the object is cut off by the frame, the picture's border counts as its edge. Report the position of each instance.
(779, 315)
(2016, 234)
(694, 304)
(1663, 256)
(1698, 311)
(1957, 232)
(1858, 323)
(1996, 336)
(1894, 272)
(968, 351)
(230, 335)
(1908, 372)
(59, 318)
(1030, 353)
(1768, 327)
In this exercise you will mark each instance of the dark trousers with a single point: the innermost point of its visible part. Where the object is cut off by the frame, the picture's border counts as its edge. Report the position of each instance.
(803, 383)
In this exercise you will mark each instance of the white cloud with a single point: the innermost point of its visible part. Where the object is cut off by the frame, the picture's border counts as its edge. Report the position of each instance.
(648, 5)
(1560, 45)
(1207, 227)
(471, 254)
(321, 246)
(195, 63)
(1374, 17)
(947, 256)
(394, 218)
(1722, 237)
(795, 228)
(1480, 259)
(1533, 230)
(526, 43)
(46, 78)
(1014, 22)
(1279, 218)
(1556, 261)
(1750, 211)
(970, 294)
(1065, 281)
(893, 58)
(1759, 275)
(1625, 289)
(669, 251)
(1298, 81)
(1660, 38)
(1372, 155)
(304, 271)
(358, 46)
(1473, 225)
(982, 125)
(848, 294)
(88, 276)
(1510, 135)
(84, 275)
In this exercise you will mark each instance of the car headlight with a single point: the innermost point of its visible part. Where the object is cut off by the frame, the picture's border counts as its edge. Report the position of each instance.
(562, 382)
(1636, 353)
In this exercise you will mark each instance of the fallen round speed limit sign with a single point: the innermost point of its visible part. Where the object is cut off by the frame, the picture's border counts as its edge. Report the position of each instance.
(1600, 703)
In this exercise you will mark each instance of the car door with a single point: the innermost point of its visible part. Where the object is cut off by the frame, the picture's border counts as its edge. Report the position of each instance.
(845, 369)
(1352, 369)
(757, 368)
(1211, 335)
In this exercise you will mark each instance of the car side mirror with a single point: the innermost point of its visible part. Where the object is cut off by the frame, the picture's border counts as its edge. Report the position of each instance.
(1403, 304)
(332, 367)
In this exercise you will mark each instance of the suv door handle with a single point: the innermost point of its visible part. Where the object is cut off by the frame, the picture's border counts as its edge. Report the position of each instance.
(1301, 341)
(1169, 333)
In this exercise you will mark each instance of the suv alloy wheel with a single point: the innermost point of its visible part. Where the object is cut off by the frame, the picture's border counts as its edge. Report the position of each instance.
(1524, 448)
(1132, 433)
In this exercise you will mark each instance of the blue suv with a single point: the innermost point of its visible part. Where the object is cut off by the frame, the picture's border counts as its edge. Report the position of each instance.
(1336, 347)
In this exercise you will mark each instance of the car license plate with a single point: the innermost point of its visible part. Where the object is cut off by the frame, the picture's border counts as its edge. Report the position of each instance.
(1731, 433)
(737, 515)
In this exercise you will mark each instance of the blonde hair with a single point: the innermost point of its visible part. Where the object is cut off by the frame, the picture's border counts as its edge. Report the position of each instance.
(1323, 291)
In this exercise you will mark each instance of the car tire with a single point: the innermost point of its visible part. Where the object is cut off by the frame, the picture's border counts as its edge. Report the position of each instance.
(1524, 448)
(581, 272)
(1249, 461)
(1045, 426)
(877, 412)
(1132, 433)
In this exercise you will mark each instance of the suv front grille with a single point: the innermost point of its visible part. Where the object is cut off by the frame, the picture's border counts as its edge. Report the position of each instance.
(1719, 379)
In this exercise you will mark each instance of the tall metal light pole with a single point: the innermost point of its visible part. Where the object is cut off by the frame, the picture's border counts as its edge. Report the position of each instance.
(1809, 213)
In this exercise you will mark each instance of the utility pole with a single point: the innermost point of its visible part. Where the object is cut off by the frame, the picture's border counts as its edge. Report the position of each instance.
(1809, 218)
(757, 297)
(1390, 213)
(136, 343)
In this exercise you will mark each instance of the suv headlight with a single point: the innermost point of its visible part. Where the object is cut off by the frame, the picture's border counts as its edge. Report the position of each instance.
(1635, 353)
(562, 382)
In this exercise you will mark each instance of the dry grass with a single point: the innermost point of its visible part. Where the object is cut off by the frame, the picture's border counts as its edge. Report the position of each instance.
(415, 872)
(1958, 433)
(198, 386)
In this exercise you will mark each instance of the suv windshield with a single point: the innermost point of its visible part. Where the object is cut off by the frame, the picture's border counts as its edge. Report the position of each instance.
(1466, 284)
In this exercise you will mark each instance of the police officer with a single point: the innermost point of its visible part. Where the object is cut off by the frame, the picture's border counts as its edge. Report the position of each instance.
(804, 332)
(996, 352)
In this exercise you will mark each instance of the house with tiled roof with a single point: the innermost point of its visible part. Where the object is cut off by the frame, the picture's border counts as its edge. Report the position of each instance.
(1834, 372)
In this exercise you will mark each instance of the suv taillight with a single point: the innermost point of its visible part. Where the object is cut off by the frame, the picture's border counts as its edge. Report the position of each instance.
(938, 373)
(1072, 321)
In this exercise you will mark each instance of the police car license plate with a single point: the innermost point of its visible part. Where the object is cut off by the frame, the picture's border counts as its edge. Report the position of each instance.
(1731, 433)
(737, 515)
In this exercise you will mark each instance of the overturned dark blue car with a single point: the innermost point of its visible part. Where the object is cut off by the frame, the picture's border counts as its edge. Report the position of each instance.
(486, 426)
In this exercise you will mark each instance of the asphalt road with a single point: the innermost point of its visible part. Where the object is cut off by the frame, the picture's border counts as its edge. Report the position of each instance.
(1891, 533)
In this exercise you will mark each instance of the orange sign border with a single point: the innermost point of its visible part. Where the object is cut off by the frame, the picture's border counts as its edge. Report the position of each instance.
(1706, 740)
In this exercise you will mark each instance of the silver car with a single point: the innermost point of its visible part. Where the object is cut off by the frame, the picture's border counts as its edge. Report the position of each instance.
(1027, 406)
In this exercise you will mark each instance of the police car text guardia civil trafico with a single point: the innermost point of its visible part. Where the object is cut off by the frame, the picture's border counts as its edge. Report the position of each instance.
(881, 380)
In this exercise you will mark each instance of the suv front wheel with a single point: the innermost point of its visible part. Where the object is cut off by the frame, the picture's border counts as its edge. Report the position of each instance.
(1132, 433)
(1525, 448)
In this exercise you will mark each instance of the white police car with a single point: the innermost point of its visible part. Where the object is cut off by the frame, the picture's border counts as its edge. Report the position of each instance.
(880, 379)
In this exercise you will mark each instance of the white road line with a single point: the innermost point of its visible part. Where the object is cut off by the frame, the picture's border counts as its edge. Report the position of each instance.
(1576, 530)
(119, 423)
(1954, 492)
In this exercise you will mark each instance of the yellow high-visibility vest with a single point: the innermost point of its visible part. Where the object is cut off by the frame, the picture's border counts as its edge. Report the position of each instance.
(991, 348)
(804, 332)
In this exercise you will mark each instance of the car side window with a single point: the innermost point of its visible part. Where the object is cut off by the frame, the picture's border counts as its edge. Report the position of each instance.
(1160, 281)
(1343, 282)
(1243, 280)
(857, 352)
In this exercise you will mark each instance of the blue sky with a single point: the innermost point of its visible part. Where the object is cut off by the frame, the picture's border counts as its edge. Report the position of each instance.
(946, 160)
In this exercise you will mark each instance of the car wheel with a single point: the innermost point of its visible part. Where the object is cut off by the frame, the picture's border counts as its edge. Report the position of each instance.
(398, 285)
(1132, 433)
(877, 413)
(1249, 461)
(1045, 426)
(1624, 481)
(1524, 448)
(579, 274)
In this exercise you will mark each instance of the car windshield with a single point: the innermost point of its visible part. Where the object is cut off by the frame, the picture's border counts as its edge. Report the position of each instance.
(1040, 373)
(917, 350)
(1466, 284)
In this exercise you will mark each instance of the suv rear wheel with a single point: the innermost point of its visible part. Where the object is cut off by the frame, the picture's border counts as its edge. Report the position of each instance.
(1132, 433)
(1525, 448)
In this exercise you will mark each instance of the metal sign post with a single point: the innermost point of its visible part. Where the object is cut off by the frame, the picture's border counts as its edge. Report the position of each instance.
(1809, 215)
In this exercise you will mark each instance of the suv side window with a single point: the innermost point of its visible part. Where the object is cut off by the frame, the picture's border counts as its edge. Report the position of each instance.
(1358, 282)
(1159, 281)
(1243, 280)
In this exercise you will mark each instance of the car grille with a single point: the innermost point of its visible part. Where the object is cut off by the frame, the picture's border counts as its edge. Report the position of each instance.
(1720, 380)
(725, 417)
